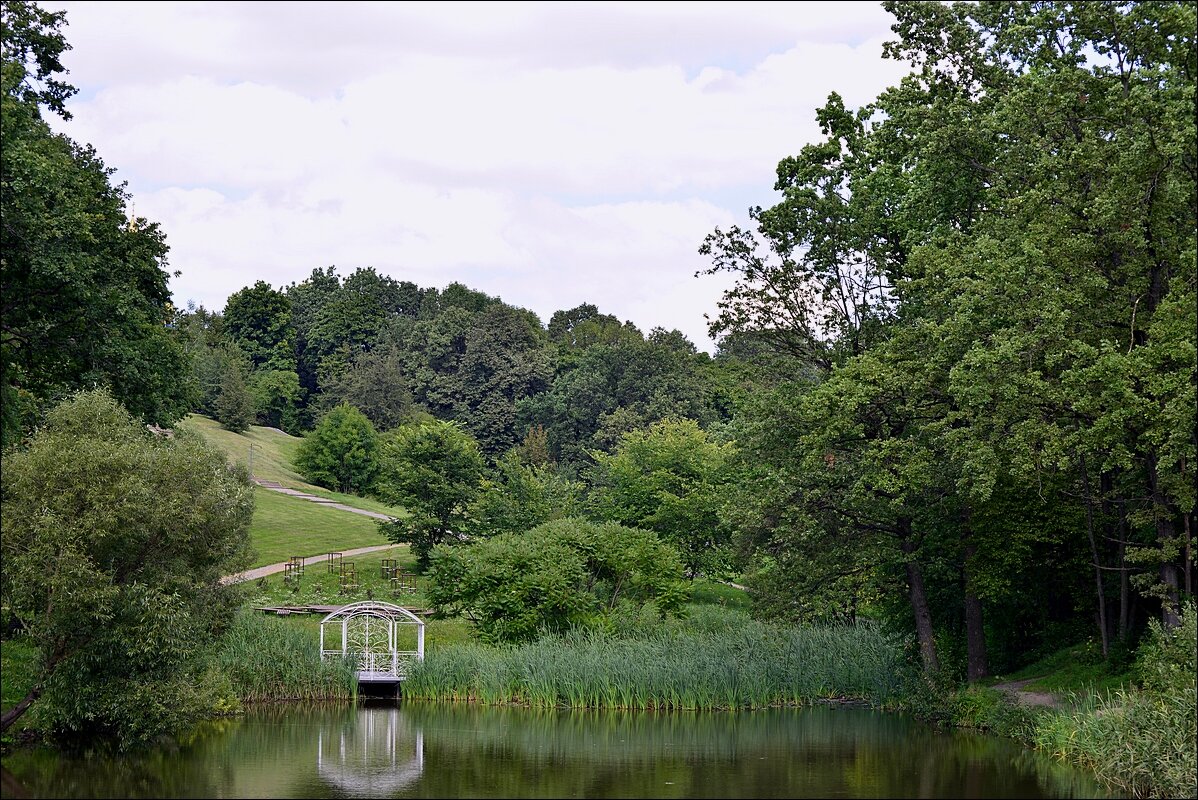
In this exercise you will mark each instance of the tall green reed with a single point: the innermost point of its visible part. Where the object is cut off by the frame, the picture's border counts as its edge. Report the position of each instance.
(267, 659)
(714, 662)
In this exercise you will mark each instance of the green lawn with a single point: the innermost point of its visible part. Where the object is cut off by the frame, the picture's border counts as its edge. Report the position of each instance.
(286, 526)
(273, 455)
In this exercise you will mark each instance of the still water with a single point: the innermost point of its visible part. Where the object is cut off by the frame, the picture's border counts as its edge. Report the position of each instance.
(421, 750)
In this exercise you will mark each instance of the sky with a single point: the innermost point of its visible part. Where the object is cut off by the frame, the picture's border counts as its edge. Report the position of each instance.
(549, 153)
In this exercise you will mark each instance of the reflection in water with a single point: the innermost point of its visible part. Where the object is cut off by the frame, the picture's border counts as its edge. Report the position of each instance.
(376, 756)
(424, 750)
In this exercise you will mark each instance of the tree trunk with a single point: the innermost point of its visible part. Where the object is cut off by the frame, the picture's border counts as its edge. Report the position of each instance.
(975, 632)
(919, 601)
(1102, 627)
(1124, 588)
(1189, 555)
(17, 711)
(1166, 532)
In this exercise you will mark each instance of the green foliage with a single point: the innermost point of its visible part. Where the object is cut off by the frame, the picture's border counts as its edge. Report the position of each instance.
(258, 320)
(718, 660)
(986, 278)
(84, 287)
(518, 496)
(1142, 742)
(557, 576)
(114, 544)
(234, 406)
(606, 390)
(432, 469)
(668, 478)
(342, 453)
(375, 384)
(276, 395)
(506, 360)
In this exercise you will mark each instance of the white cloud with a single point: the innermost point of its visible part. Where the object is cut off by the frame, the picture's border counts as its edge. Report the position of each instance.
(550, 154)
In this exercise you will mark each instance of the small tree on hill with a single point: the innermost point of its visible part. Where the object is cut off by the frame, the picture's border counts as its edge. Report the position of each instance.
(342, 453)
(234, 405)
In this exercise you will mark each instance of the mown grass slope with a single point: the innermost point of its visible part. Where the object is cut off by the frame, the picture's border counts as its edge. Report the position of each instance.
(274, 452)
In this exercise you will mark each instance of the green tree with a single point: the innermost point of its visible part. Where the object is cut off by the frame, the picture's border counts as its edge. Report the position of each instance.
(984, 275)
(432, 469)
(559, 575)
(668, 478)
(83, 289)
(114, 545)
(234, 406)
(342, 453)
(519, 496)
(506, 360)
(258, 320)
(375, 384)
(276, 395)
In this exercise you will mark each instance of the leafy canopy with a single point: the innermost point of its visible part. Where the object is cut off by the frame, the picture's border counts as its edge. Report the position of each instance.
(565, 573)
(342, 453)
(114, 545)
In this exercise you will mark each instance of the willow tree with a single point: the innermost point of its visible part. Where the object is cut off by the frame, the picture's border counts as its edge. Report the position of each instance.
(114, 544)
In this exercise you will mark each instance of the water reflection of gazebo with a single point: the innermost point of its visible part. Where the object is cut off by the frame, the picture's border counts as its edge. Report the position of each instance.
(376, 755)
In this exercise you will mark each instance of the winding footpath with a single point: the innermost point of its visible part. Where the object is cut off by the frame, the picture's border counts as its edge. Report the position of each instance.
(275, 486)
(271, 569)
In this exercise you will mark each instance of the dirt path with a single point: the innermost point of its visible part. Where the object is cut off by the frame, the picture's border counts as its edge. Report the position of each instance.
(271, 569)
(1015, 691)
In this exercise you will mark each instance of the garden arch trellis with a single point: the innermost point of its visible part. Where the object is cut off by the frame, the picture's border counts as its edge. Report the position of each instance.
(369, 636)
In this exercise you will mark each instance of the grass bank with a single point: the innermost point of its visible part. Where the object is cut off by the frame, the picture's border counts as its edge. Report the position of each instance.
(716, 659)
(274, 453)
(1140, 739)
(318, 586)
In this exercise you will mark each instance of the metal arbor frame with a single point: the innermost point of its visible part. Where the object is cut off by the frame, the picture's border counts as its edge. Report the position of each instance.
(369, 636)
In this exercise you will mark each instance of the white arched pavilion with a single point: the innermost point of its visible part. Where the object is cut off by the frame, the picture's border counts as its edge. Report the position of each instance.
(369, 637)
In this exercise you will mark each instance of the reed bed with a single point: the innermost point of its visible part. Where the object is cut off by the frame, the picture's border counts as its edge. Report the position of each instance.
(267, 659)
(721, 662)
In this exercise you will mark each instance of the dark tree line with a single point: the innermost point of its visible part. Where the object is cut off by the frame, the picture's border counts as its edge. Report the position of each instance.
(399, 353)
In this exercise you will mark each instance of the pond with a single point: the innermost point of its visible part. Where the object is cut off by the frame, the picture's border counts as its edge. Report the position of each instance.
(428, 750)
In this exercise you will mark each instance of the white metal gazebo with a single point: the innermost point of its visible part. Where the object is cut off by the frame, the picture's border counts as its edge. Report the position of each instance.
(370, 638)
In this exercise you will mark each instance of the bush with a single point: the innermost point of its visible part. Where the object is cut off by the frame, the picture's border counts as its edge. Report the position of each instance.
(559, 575)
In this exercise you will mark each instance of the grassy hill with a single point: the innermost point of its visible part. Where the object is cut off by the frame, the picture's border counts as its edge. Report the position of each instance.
(285, 526)
(274, 452)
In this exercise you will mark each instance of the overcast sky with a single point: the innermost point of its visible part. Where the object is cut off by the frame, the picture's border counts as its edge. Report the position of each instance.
(551, 154)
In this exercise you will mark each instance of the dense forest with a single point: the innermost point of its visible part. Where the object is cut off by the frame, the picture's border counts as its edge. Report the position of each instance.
(955, 379)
